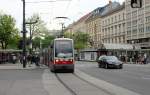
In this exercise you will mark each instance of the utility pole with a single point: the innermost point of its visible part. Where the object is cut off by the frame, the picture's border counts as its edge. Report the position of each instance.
(62, 25)
(24, 36)
(62, 31)
(30, 23)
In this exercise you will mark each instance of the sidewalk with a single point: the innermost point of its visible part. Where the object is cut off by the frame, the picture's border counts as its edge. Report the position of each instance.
(16, 66)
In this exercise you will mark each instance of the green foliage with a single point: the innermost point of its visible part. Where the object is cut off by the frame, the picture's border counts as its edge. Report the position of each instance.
(13, 43)
(8, 31)
(80, 39)
(44, 42)
(36, 42)
(38, 29)
(47, 41)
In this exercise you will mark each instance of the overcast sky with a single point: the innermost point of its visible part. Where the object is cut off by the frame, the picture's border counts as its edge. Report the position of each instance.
(73, 9)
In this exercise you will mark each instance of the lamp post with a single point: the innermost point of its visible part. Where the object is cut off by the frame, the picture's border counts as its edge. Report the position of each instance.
(24, 36)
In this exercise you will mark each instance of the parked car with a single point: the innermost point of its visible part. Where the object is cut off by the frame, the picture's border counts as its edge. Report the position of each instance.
(109, 62)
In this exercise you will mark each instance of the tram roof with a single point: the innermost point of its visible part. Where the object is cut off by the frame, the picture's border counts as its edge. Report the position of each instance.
(9, 50)
(63, 39)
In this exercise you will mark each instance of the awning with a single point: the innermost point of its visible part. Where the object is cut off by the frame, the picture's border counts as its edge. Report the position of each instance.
(89, 50)
(118, 46)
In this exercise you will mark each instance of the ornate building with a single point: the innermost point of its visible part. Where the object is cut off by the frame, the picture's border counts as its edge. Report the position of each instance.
(138, 24)
(113, 23)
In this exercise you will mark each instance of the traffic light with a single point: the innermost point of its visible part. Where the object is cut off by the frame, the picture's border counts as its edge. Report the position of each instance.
(136, 3)
(20, 44)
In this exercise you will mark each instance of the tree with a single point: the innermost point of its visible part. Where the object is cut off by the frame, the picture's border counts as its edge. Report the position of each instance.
(13, 43)
(47, 41)
(38, 29)
(36, 42)
(7, 30)
(80, 39)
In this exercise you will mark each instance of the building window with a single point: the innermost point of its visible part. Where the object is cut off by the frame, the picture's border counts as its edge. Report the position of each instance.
(128, 31)
(123, 16)
(108, 21)
(112, 20)
(134, 22)
(115, 19)
(119, 40)
(115, 40)
(82, 56)
(123, 39)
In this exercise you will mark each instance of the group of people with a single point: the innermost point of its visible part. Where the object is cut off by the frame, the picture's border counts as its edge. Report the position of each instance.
(141, 59)
(31, 59)
(136, 59)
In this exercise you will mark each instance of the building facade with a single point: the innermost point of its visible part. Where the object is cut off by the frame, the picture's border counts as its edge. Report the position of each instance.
(93, 26)
(78, 26)
(138, 24)
(113, 24)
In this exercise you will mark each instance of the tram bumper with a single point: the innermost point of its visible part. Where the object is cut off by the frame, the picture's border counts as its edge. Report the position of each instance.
(64, 66)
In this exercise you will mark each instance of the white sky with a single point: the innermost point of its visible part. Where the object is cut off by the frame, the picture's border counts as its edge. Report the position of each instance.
(73, 9)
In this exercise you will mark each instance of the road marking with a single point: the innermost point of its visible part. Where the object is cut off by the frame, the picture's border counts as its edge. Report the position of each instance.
(147, 78)
(116, 90)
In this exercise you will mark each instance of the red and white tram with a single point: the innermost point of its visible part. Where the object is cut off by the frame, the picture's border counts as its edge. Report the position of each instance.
(62, 54)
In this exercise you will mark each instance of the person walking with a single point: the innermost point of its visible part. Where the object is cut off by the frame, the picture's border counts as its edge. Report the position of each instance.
(29, 60)
(37, 59)
(145, 58)
(14, 58)
(32, 59)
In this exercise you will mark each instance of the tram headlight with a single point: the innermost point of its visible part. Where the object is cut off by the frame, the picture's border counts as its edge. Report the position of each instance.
(56, 60)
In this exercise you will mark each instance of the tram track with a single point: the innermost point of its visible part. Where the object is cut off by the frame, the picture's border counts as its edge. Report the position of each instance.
(80, 83)
(76, 89)
(65, 85)
(93, 85)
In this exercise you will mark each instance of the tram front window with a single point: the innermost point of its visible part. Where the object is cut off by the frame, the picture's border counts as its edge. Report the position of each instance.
(63, 49)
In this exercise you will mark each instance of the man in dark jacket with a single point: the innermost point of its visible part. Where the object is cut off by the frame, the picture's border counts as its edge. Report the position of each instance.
(37, 59)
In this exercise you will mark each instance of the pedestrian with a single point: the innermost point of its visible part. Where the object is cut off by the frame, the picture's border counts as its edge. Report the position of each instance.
(145, 58)
(148, 59)
(37, 59)
(32, 59)
(29, 60)
(14, 58)
(21, 58)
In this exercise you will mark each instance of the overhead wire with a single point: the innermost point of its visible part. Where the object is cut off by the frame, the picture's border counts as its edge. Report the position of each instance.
(52, 6)
(46, 1)
(39, 2)
(67, 8)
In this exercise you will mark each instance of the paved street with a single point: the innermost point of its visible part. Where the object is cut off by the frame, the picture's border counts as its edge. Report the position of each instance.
(133, 76)
(88, 79)
(21, 82)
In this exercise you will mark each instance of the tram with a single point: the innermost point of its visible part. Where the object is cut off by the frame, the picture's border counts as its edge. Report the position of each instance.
(61, 53)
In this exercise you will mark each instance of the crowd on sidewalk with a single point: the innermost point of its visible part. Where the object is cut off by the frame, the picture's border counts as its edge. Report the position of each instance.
(136, 59)
(31, 59)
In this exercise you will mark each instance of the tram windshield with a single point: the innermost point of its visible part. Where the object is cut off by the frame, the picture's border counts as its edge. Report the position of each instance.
(63, 49)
